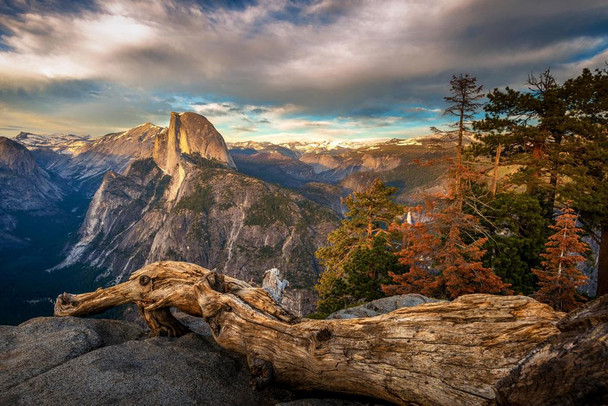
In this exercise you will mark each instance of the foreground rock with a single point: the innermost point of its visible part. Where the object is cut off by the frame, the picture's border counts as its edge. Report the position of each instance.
(72, 361)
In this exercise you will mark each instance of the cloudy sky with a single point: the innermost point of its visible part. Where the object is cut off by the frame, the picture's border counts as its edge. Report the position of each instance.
(277, 69)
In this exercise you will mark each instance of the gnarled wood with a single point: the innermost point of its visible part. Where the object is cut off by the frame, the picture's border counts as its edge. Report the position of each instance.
(159, 286)
(437, 353)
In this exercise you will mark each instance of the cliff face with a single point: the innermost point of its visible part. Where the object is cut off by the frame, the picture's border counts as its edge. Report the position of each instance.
(86, 166)
(25, 189)
(183, 206)
(23, 184)
(190, 133)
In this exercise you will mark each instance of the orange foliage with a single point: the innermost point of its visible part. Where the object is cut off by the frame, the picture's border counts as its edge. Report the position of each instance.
(559, 277)
(441, 263)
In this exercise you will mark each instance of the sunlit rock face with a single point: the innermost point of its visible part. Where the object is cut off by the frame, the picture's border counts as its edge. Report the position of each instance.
(190, 133)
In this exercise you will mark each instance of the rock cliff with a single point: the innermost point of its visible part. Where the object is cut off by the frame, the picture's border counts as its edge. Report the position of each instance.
(189, 133)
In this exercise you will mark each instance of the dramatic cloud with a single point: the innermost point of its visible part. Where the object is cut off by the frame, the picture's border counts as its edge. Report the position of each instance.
(317, 61)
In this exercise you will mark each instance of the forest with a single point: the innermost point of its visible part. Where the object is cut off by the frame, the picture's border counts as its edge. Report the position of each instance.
(520, 208)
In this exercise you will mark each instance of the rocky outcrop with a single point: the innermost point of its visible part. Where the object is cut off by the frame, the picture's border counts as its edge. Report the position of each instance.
(189, 133)
(382, 306)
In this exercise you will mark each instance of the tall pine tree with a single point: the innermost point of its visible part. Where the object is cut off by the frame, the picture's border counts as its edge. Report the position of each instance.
(463, 103)
(359, 254)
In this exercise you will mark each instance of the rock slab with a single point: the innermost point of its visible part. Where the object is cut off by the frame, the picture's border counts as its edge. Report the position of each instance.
(382, 306)
(73, 361)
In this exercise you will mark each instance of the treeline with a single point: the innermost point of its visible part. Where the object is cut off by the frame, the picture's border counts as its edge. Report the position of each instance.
(517, 203)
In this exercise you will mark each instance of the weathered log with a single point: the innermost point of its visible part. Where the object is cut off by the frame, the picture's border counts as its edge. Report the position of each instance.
(437, 353)
(570, 368)
(156, 288)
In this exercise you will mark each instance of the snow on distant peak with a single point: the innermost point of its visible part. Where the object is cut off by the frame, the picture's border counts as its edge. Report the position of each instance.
(63, 143)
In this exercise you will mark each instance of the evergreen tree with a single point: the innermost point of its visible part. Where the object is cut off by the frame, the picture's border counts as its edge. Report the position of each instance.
(441, 251)
(559, 276)
(587, 161)
(419, 243)
(518, 231)
(529, 129)
(558, 136)
(351, 274)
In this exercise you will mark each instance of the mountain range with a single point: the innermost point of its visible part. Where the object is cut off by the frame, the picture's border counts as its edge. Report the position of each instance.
(112, 204)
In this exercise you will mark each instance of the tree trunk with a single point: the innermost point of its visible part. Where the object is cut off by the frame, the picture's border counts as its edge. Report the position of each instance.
(602, 267)
(459, 167)
(157, 287)
(537, 155)
(495, 175)
(447, 353)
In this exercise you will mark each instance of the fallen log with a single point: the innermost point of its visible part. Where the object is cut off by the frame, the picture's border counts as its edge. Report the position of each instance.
(570, 368)
(438, 353)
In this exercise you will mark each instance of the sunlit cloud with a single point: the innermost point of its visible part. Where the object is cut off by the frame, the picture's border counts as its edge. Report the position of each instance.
(313, 68)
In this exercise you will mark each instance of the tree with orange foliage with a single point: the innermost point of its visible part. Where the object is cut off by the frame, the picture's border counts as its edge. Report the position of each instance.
(560, 277)
(441, 263)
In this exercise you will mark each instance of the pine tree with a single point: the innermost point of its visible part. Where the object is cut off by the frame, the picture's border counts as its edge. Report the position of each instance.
(587, 161)
(518, 232)
(463, 104)
(441, 251)
(559, 276)
(350, 272)
(419, 243)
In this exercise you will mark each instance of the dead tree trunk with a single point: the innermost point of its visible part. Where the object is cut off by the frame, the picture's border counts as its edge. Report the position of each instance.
(437, 353)
(156, 288)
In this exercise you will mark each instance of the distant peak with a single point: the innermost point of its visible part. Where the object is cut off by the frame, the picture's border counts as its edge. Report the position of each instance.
(190, 133)
(22, 135)
(9, 143)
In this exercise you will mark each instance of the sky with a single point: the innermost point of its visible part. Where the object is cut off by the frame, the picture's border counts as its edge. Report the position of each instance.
(277, 70)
